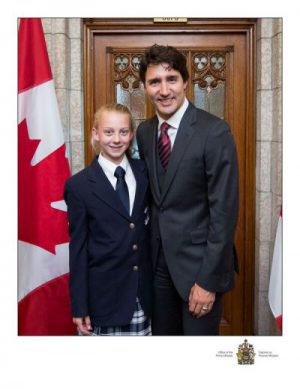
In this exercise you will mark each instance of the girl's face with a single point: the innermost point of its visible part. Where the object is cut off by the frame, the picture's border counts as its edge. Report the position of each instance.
(113, 134)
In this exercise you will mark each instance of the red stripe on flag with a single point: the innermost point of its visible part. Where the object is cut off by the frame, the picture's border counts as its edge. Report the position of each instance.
(279, 322)
(31, 46)
(47, 310)
(275, 284)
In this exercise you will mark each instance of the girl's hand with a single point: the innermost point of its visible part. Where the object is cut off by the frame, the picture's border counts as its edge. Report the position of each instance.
(83, 324)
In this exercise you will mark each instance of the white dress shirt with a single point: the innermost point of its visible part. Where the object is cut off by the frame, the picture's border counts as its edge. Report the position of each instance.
(109, 170)
(173, 121)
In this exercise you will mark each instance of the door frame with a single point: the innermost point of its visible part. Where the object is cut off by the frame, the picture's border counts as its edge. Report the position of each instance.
(245, 26)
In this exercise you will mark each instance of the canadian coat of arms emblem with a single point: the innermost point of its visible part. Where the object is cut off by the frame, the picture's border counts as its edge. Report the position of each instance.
(245, 354)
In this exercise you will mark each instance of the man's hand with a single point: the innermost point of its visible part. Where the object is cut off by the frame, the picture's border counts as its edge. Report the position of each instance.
(200, 301)
(83, 324)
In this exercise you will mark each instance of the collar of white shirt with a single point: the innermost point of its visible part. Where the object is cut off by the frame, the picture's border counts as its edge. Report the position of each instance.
(109, 170)
(174, 120)
(110, 167)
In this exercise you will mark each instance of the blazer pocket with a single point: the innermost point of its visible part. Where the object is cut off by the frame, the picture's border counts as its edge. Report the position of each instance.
(199, 235)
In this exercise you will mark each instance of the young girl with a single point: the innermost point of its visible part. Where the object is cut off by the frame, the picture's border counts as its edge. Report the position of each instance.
(110, 272)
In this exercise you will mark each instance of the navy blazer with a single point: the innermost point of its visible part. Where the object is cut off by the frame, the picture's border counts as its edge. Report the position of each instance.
(109, 249)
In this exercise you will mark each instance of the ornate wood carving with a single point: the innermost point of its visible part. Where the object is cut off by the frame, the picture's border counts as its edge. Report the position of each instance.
(209, 69)
(126, 69)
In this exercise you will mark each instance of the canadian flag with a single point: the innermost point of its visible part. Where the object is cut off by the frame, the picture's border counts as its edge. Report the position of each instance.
(275, 285)
(43, 299)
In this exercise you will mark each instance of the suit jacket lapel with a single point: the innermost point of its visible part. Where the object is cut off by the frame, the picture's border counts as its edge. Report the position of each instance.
(183, 138)
(103, 190)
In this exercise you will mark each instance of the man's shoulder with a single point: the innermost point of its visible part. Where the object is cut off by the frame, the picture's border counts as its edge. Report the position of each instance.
(208, 122)
(148, 123)
(203, 115)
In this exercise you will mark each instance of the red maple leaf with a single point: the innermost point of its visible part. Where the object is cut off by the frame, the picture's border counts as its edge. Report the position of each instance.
(39, 186)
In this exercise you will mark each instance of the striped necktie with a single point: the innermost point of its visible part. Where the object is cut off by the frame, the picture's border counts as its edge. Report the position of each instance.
(164, 145)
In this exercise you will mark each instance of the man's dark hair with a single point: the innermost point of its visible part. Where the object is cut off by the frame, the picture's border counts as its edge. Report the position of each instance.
(157, 54)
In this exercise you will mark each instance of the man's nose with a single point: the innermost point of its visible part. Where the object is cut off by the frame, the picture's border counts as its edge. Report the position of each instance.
(164, 89)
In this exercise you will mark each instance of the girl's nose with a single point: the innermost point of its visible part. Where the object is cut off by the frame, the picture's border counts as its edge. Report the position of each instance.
(116, 138)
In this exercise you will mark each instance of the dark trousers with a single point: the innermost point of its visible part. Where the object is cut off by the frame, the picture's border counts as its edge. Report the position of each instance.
(171, 314)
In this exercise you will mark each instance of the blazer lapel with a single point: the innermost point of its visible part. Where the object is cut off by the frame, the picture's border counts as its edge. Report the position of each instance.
(141, 186)
(152, 131)
(103, 190)
(183, 138)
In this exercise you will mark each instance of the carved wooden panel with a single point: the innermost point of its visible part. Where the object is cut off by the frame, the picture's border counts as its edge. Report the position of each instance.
(207, 69)
(126, 69)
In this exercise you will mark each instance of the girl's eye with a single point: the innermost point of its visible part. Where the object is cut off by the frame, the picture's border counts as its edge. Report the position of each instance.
(124, 132)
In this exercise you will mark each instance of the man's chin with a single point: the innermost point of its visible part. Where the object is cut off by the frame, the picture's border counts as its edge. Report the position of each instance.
(166, 113)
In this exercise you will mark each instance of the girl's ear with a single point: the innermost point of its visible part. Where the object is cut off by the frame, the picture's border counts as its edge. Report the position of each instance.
(95, 134)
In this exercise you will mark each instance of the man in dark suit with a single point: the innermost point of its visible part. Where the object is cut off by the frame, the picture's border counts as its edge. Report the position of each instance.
(192, 164)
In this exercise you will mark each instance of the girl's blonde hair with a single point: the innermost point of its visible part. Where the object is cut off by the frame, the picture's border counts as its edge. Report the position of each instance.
(111, 107)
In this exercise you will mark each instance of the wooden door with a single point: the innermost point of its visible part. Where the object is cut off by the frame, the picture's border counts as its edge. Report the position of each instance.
(220, 58)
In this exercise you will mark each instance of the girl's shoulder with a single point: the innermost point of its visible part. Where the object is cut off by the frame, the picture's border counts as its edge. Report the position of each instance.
(138, 163)
(79, 179)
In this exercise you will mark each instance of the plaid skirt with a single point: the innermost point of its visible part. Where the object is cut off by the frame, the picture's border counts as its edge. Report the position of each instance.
(140, 325)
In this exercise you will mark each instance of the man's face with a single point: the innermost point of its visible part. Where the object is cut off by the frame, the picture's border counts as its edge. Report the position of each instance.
(166, 89)
(113, 134)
